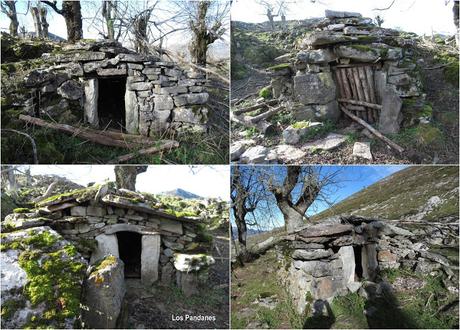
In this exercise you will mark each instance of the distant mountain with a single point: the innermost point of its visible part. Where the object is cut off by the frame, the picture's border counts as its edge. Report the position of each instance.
(250, 232)
(181, 193)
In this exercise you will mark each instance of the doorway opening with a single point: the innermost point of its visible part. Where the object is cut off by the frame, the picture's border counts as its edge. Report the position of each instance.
(358, 262)
(129, 249)
(111, 102)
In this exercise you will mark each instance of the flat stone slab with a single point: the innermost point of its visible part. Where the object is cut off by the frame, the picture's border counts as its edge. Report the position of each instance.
(325, 230)
(288, 153)
(239, 147)
(362, 150)
(330, 142)
(255, 154)
(311, 255)
(340, 14)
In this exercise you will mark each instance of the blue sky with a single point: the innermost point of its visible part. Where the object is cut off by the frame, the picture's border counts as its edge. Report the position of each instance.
(351, 180)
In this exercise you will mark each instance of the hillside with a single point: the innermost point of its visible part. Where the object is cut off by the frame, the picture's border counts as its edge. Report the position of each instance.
(418, 193)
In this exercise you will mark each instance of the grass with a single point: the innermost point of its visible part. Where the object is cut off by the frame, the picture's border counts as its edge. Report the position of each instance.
(253, 281)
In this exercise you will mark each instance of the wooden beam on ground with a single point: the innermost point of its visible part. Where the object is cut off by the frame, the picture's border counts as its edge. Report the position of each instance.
(164, 145)
(89, 134)
(372, 130)
(255, 107)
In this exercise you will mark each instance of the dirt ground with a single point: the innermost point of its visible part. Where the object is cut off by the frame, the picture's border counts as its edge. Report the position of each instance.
(162, 306)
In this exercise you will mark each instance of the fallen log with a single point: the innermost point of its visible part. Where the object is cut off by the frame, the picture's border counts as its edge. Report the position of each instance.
(262, 126)
(85, 133)
(256, 107)
(372, 130)
(243, 99)
(165, 145)
(365, 104)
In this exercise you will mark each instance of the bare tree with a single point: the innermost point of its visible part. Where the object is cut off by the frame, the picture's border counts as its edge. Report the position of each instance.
(245, 195)
(41, 25)
(140, 29)
(302, 186)
(269, 7)
(205, 19)
(9, 9)
(125, 176)
(71, 11)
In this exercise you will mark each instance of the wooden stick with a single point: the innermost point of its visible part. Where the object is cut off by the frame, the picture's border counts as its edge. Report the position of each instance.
(359, 89)
(266, 114)
(255, 107)
(367, 97)
(371, 83)
(338, 77)
(373, 130)
(364, 104)
(346, 86)
(262, 126)
(165, 145)
(89, 134)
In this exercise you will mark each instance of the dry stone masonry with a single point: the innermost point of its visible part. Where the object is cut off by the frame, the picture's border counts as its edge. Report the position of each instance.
(97, 80)
(338, 255)
(160, 239)
(348, 61)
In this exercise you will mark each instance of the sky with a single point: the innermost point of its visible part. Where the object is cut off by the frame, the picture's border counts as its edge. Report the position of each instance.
(351, 179)
(205, 181)
(89, 8)
(419, 16)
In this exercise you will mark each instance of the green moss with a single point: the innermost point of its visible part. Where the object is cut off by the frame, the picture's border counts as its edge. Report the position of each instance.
(363, 48)
(280, 66)
(77, 193)
(21, 210)
(54, 278)
(265, 92)
(9, 307)
(427, 111)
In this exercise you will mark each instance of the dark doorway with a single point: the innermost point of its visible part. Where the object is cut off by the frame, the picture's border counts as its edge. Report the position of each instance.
(111, 102)
(358, 263)
(129, 248)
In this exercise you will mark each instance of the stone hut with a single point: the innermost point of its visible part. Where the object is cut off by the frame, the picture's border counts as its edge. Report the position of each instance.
(120, 234)
(348, 62)
(339, 255)
(105, 84)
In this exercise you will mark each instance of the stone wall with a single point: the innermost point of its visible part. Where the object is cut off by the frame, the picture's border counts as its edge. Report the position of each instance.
(159, 95)
(343, 39)
(319, 261)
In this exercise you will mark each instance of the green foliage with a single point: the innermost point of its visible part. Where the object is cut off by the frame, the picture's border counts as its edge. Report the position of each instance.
(251, 132)
(301, 124)
(352, 137)
(9, 307)
(7, 205)
(319, 131)
(350, 308)
(451, 70)
(265, 92)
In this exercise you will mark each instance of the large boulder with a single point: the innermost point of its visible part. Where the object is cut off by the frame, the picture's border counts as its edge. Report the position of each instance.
(70, 90)
(322, 38)
(316, 56)
(390, 114)
(315, 88)
(42, 277)
(104, 293)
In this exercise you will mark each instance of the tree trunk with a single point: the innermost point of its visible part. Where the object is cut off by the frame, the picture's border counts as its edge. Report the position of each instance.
(35, 11)
(199, 45)
(140, 32)
(9, 9)
(43, 22)
(292, 218)
(71, 10)
(10, 178)
(125, 176)
(108, 12)
(239, 209)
